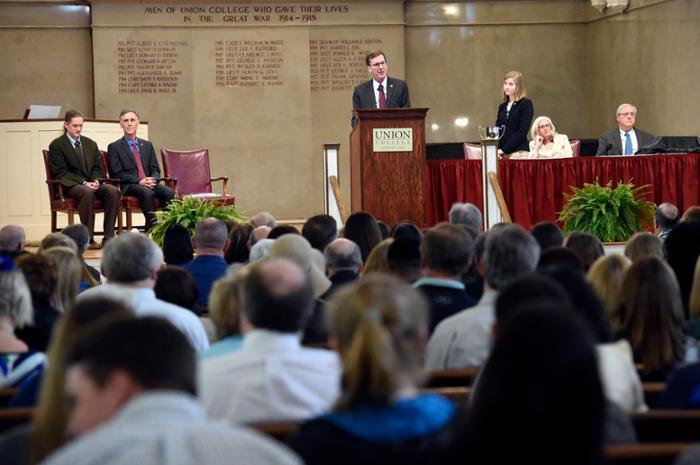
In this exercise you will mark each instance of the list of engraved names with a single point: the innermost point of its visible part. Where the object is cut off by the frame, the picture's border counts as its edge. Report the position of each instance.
(149, 66)
(249, 63)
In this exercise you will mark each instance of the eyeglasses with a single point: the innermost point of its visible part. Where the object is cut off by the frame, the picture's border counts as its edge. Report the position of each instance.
(628, 113)
(377, 65)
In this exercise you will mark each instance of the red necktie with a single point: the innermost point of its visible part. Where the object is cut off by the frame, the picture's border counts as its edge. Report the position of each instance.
(137, 157)
(382, 97)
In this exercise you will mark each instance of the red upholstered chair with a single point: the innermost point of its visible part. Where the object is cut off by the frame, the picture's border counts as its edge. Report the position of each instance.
(472, 151)
(130, 204)
(190, 169)
(576, 147)
(59, 203)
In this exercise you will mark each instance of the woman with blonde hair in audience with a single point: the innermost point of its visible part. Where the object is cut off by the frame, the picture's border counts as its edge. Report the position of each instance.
(69, 272)
(33, 443)
(644, 244)
(691, 215)
(377, 261)
(606, 275)
(225, 312)
(546, 142)
(380, 325)
(650, 316)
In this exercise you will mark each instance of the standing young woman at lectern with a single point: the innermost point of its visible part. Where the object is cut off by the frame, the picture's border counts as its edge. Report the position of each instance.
(515, 115)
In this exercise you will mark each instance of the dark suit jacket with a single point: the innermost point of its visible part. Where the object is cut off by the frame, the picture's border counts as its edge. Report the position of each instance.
(122, 165)
(611, 144)
(517, 125)
(67, 168)
(396, 95)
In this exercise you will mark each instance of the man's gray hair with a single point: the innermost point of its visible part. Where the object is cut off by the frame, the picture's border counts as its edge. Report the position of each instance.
(467, 214)
(211, 233)
(12, 238)
(131, 257)
(342, 254)
(510, 252)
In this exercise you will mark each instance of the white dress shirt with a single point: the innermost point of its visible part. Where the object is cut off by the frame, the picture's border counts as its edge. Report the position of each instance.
(145, 303)
(169, 428)
(272, 378)
(464, 339)
(633, 136)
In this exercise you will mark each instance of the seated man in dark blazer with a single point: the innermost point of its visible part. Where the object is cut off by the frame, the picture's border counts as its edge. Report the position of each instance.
(133, 161)
(75, 161)
(625, 140)
(381, 91)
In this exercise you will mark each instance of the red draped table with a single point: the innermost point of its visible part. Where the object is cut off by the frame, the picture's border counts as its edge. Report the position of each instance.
(534, 189)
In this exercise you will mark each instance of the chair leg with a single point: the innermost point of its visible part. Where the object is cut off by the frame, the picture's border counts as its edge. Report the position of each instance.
(128, 219)
(71, 217)
(54, 227)
(119, 220)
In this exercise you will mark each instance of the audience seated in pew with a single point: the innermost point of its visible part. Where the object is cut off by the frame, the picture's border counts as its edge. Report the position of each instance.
(239, 247)
(682, 249)
(363, 230)
(547, 234)
(644, 244)
(177, 246)
(587, 246)
(211, 241)
(377, 260)
(13, 241)
(81, 236)
(320, 230)
(225, 312)
(380, 325)
(177, 286)
(343, 262)
(404, 260)
(606, 275)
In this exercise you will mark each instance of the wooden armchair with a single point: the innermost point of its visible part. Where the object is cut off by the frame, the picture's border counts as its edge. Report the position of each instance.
(191, 171)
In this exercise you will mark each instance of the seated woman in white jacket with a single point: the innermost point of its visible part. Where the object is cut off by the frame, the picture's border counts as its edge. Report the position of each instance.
(546, 142)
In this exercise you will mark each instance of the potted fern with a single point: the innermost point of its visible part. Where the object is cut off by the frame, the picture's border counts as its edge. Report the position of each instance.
(188, 211)
(612, 214)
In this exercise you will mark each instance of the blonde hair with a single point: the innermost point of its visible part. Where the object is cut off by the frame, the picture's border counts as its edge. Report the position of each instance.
(379, 323)
(535, 128)
(69, 271)
(694, 302)
(606, 276)
(520, 92)
(377, 260)
(644, 244)
(225, 304)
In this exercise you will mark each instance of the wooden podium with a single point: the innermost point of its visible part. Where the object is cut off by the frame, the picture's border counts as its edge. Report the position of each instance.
(388, 184)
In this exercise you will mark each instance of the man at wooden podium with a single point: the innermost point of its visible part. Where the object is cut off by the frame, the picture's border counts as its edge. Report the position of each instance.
(381, 91)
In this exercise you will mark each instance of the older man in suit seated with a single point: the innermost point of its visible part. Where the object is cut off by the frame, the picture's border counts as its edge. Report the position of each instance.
(381, 91)
(133, 161)
(625, 140)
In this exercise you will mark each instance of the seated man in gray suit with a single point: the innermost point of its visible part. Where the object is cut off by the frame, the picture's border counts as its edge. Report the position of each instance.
(381, 91)
(625, 140)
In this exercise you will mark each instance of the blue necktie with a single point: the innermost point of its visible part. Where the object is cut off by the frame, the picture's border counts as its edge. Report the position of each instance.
(628, 144)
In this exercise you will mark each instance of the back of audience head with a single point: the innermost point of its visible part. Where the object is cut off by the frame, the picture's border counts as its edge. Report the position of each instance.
(295, 248)
(225, 304)
(12, 238)
(69, 271)
(644, 244)
(342, 254)
(211, 235)
(177, 286)
(122, 359)
(403, 258)
(130, 258)
(584, 301)
(320, 230)
(606, 276)
(666, 216)
(384, 229)
(282, 229)
(362, 229)
(510, 251)
(277, 296)
(682, 249)
(446, 249)
(547, 235)
(257, 234)
(51, 415)
(177, 245)
(560, 257)
(57, 240)
(263, 219)
(238, 250)
(377, 261)
(694, 304)
(650, 314)
(691, 215)
(80, 235)
(405, 229)
(15, 298)
(587, 246)
(260, 250)
(466, 214)
(41, 274)
(380, 326)
(541, 381)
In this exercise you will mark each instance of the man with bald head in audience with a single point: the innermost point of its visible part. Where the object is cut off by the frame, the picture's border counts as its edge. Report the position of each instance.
(625, 139)
(273, 377)
(343, 264)
(665, 218)
(263, 219)
(211, 241)
(12, 241)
